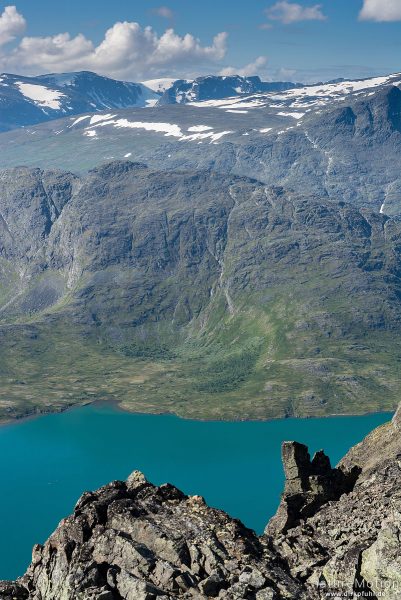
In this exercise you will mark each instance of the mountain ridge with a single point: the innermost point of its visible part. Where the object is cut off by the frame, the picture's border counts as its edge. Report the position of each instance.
(27, 101)
(346, 150)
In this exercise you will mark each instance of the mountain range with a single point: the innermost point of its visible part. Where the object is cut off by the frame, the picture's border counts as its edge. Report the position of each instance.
(213, 87)
(207, 295)
(220, 258)
(31, 100)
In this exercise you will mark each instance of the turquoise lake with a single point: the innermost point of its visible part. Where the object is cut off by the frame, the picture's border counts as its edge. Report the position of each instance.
(46, 463)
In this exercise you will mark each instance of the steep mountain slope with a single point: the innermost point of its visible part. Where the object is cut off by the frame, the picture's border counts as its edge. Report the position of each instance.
(339, 537)
(192, 292)
(30, 100)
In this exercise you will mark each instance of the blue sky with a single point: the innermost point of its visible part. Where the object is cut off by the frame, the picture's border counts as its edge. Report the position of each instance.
(288, 40)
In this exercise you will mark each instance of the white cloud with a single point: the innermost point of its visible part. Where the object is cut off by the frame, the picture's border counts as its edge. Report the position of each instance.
(127, 50)
(12, 24)
(163, 11)
(381, 10)
(252, 68)
(291, 12)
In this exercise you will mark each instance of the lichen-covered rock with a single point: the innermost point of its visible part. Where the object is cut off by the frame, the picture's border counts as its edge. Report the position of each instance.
(381, 562)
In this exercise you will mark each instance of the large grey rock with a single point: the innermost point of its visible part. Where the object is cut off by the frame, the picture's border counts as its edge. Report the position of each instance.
(135, 541)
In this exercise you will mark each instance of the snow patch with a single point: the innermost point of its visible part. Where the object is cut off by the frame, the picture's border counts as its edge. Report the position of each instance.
(295, 115)
(168, 129)
(159, 85)
(79, 120)
(202, 136)
(199, 128)
(98, 118)
(41, 95)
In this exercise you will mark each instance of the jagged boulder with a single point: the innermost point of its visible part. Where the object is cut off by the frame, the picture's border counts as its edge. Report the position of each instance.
(136, 541)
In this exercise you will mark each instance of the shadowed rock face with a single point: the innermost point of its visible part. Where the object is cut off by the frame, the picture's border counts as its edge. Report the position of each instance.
(135, 541)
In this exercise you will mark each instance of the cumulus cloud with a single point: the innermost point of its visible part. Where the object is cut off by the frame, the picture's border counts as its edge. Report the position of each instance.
(380, 10)
(12, 24)
(163, 11)
(252, 68)
(127, 50)
(291, 12)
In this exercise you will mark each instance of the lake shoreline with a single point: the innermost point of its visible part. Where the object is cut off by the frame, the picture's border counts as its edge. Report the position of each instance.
(117, 406)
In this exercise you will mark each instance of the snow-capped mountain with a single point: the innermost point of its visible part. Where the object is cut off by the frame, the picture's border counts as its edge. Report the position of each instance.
(31, 100)
(215, 87)
(239, 118)
(299, 100)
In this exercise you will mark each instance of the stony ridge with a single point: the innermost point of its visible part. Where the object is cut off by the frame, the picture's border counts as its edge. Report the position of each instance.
(135, 541)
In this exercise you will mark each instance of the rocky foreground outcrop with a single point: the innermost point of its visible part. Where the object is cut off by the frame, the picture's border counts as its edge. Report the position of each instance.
(336, 534)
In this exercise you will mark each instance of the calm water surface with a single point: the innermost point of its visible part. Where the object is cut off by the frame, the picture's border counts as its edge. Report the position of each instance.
(48, 462)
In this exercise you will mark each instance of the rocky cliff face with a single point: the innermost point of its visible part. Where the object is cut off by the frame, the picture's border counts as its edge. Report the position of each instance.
(135, 541)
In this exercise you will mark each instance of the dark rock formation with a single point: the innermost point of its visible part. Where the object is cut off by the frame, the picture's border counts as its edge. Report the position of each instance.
(135, 541)
(308, 486)
(10, 590)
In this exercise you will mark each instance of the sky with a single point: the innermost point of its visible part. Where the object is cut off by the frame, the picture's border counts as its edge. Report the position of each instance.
(139, 40)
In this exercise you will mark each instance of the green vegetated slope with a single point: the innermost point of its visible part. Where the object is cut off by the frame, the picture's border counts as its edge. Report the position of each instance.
(205, 295)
